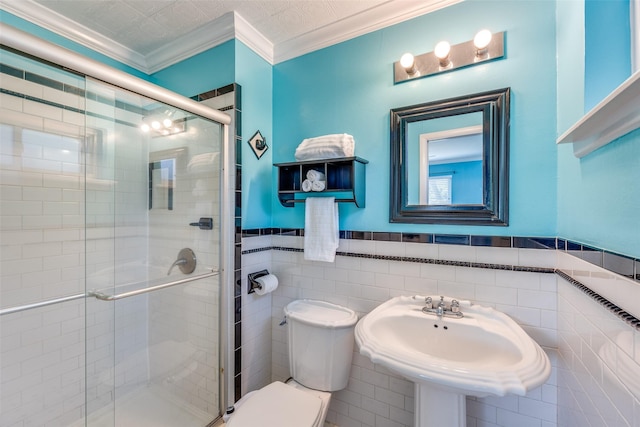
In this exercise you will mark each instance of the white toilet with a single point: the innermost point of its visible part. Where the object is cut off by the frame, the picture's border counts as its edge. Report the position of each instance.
(320, 352)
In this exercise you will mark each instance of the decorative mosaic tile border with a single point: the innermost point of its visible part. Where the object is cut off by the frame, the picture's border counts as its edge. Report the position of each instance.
(588, 253)
(626, 317)
(414, 259)
(620, 264)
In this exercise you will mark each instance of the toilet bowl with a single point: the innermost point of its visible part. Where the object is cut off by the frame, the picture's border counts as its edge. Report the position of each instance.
(320, 355)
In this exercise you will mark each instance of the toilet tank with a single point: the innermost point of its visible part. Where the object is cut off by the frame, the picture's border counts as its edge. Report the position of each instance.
(320, 343)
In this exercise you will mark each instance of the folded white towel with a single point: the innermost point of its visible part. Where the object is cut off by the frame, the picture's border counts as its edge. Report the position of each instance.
(321, 236)
(318, 185)
(314, 175)
(326, 147)
(307, 185)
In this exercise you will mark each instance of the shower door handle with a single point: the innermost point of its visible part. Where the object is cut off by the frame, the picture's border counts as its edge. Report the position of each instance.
(204, 224)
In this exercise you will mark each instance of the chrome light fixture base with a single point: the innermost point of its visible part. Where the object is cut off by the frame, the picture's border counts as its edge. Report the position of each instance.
(460, 55)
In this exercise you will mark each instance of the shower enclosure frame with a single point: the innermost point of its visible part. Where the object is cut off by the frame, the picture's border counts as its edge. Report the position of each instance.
(26, 43)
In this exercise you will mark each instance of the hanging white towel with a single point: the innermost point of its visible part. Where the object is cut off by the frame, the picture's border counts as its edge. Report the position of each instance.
(321, 236)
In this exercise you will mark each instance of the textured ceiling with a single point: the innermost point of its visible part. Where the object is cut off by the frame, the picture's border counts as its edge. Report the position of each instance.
(146, 25)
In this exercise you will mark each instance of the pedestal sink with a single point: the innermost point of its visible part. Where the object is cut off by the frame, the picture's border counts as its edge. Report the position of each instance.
(482, 353)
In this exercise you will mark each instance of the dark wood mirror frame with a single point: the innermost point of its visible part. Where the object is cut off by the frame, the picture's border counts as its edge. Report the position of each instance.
(495, 106)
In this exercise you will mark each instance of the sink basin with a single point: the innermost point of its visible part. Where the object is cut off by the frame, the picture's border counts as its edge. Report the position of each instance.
(483, 353)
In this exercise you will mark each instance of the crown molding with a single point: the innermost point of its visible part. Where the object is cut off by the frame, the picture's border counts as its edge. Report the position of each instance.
(197, 41)
(223, 29)
(376, 18)
(229, 26)
(253, 39)
(52, 21)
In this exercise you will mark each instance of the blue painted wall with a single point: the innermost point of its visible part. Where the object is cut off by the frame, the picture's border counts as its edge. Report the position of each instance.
(349, 88)
(598, 195)
(208, 70)
(607, 48)
(255, 75)
(570, 46)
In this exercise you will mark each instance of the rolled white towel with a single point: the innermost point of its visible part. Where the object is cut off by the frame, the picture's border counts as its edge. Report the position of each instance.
(314, 175)
(307, 185)
(318, 185)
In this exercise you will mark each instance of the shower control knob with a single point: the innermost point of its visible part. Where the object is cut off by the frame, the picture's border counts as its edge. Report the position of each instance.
(204, 224)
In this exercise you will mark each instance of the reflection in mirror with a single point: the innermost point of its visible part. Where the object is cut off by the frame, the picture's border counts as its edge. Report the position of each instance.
(449, 167)
(449, 160)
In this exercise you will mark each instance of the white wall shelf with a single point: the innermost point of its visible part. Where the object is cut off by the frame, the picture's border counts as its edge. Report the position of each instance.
(615, 116)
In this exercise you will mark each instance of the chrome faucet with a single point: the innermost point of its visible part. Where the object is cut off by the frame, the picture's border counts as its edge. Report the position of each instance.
(442, 310)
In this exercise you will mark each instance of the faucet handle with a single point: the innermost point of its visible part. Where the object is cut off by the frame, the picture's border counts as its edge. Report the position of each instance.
(428, 302)
(455, 306)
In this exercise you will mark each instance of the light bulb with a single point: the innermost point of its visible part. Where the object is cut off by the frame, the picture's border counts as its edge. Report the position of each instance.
(481, 41)
(167, 123)
(441, 51)
(155, 124)
(145, 128)
(408, 62)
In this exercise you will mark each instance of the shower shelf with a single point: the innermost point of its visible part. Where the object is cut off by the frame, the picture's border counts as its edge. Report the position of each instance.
(345, 180)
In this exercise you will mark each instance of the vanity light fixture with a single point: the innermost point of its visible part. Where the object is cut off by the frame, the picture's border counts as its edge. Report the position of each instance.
(484, 47)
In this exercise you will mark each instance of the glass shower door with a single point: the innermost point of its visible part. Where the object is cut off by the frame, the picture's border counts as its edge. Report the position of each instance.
(153, 175)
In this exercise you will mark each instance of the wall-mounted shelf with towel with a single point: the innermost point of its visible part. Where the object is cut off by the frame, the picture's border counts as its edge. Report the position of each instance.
(345, 180)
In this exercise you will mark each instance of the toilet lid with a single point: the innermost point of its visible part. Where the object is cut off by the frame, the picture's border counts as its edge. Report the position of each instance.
(277, 405)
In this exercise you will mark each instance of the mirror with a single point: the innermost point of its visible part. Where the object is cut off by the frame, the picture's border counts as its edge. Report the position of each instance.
(449, 161)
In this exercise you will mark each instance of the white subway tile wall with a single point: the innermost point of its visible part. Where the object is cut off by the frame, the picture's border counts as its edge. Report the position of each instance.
(256, 319)
(376, 397)
(599, 355)
(595, 355)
